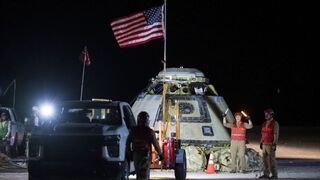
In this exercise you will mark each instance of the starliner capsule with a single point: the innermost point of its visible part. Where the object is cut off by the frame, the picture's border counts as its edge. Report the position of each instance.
(189, 98)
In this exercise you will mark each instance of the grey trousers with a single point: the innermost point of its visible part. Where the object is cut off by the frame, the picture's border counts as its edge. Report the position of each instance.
(238, 149)
(269, 160)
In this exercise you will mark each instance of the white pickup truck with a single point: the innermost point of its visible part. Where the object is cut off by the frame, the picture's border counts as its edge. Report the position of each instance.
(84, 138)
(17, 132)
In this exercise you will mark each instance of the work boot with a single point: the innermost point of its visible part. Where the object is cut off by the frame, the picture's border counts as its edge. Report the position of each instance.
(273, 177)
(264, 177)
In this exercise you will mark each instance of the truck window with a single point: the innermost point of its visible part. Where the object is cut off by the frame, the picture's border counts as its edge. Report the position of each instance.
(107, 116)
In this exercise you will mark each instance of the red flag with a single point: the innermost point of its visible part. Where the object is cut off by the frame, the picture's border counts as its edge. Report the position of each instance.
(138, 28)
(84, 56)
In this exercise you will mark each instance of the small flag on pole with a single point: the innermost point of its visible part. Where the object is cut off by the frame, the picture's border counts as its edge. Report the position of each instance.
(84, 56)
(138, 28)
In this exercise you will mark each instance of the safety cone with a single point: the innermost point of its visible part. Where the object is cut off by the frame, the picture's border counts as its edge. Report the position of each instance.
(210, 167)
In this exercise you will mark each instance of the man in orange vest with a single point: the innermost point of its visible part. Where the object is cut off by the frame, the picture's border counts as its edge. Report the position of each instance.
(238, 141)
(268, 144)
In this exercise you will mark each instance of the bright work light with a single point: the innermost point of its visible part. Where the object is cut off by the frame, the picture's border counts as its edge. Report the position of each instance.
(47, 110)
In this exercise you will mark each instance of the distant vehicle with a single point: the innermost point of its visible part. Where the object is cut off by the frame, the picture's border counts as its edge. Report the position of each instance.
(84, 137)
(17, 133)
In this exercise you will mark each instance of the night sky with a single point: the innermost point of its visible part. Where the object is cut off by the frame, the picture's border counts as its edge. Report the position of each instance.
(253, 52)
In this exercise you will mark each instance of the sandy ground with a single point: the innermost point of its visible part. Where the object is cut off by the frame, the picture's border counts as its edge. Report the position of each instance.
(294, 142)
(298, 155)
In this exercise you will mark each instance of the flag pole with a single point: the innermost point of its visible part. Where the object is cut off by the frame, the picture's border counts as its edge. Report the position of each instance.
(165, 37)
(14, 83)
(83, 69)
(164, 88)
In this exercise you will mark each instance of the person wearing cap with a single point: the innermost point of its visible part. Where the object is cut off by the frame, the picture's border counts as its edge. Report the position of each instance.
(268, 144)
(238, 141)
(140, 140)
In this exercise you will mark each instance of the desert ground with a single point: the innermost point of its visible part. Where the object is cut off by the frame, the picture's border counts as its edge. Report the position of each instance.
(298, 154)
(295, 142)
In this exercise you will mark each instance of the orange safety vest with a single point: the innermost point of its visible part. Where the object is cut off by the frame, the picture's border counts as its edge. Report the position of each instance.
(238, 133)
(268, 132)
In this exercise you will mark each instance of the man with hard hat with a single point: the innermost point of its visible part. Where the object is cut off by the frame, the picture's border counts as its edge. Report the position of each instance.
(140, 139)
(268, 144)
(238, 141)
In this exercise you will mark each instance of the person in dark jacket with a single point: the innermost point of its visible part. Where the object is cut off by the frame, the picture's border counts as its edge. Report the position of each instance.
(140, 140)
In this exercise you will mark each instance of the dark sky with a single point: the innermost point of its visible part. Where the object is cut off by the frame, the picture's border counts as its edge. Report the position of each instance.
(253, 52)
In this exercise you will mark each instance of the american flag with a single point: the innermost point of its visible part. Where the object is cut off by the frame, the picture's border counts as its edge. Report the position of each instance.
(138, 28)
(84, 56)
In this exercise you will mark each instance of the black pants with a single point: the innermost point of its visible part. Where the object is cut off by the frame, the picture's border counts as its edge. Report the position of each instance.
(142, 160)
(5, 147)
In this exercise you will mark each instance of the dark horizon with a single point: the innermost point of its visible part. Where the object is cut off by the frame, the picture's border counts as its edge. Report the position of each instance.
(254, 53)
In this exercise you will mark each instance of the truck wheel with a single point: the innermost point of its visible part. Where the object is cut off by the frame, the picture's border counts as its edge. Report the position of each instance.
(22, 146)
(34, 177)
(13, 149)
(180, 169)
(34, 174)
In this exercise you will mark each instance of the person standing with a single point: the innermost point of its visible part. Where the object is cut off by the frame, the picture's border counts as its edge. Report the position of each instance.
(268, 144)
(35, 116)
(5, 130)
(140, 139)
(238, 141)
